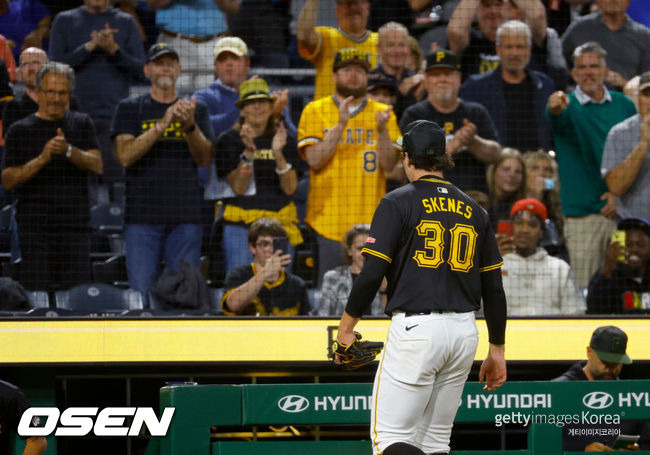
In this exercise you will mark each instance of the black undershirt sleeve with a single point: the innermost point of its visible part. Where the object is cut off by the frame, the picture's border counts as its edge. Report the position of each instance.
(366, 285)
(494, 305)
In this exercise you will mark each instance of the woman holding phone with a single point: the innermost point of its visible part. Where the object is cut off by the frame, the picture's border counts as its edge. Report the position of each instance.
(506, 181)
(543, 184)
(257, 159)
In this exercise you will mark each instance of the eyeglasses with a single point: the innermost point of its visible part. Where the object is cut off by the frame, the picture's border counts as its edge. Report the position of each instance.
(35, 63)
(52, 93)
(264, 244)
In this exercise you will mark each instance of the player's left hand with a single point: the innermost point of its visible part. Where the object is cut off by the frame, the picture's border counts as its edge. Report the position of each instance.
(356, 353)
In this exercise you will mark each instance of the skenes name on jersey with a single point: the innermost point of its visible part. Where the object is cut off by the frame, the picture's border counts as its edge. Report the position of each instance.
(447, 204)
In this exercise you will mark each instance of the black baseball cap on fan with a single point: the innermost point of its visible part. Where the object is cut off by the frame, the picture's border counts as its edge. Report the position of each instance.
(423, 138)
(443, 58)
(160, 49)
(609, 343)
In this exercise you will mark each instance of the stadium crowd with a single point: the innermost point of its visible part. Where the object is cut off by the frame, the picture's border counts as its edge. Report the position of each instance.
(169, 146)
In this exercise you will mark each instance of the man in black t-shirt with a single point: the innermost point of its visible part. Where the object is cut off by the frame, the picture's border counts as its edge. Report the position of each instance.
(265, 288)
(161, 140)
(439, 255)
(471, 136)
(47, 159)
(12, 405)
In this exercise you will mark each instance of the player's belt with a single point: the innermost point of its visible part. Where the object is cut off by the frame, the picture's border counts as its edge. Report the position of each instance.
(410, 313)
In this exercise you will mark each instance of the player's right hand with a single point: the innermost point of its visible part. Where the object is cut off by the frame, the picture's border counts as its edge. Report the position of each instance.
(557, 102)
(493, 369)
(344, 111)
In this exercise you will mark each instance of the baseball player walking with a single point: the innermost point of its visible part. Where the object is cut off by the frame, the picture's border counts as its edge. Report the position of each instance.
(438, 252)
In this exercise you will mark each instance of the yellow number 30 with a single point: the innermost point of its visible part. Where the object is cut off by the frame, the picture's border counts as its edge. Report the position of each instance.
(461, 249)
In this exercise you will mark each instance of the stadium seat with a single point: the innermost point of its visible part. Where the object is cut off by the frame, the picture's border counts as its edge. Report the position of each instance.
(215, 298)
(107, 217)
(97, 193)
(215, 308)
(38, 299)
(314, 300)
(97, 298)
(5, 217)
(110, 271)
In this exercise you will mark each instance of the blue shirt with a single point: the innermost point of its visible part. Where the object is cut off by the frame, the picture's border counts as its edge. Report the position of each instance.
(192, 17)
(220, 101)
(639, 11)
(102, 80)
(23, 17)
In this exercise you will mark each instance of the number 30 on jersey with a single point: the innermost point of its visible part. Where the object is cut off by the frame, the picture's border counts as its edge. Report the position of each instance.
(461, 249)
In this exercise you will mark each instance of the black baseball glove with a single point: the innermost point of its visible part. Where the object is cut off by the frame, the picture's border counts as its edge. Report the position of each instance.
(356, 354)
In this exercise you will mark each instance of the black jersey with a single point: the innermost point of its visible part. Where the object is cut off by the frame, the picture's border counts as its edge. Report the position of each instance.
(12, 405)
(438, 241)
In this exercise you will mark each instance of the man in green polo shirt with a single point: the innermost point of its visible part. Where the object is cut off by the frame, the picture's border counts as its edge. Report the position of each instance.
(580, 122)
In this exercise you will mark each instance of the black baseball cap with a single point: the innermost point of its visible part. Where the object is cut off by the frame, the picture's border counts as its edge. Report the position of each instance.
(635, 223)
(160, 49)
(381, 80)
(609, 343)
(443, 58)
(423, 138)
(349, 56)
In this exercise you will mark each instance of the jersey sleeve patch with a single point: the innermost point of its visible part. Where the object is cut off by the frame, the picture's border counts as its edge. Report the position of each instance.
(365, 251)
(491, 267)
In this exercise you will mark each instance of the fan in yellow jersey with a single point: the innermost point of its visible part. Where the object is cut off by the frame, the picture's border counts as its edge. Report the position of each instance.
(348, 140)
(319, 44)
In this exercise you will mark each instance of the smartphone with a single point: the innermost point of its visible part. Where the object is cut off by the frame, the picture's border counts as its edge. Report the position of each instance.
(281, 243)
(549, 184)
(505, 227)
(624, 440)
(619, 237)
